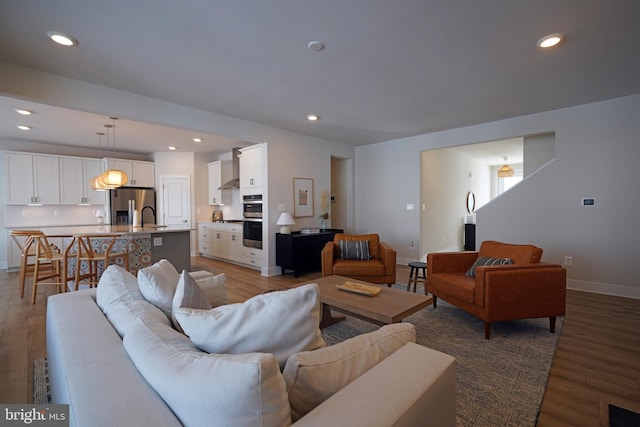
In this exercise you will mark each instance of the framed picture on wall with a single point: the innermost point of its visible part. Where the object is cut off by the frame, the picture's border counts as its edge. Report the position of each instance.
(302, 197)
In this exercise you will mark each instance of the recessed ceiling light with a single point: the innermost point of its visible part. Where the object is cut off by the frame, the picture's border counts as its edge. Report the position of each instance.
(312, 117)
(24, 127)
(315, 46)
(197, 139)
(24, 112)
(550, 40)
(171, 147)
(62, 38)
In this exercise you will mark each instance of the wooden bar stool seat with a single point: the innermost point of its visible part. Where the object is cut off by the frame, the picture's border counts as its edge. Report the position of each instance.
(50, 267)
(26, 245)
(414, 278)
(94, 254)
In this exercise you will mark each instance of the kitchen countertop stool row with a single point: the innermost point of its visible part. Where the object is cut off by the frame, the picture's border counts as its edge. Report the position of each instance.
(85, 255)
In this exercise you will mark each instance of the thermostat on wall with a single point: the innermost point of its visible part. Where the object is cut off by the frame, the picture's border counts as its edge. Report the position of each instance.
(590, 201)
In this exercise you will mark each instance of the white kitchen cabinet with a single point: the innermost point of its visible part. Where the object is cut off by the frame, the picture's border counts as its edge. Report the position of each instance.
(234, 252)
(75, 174)
(252, 169)
(205, 239)
(253, 256)
(216, 171)
(140, 173)
(215, 181)
(220, 243)
(32, 179)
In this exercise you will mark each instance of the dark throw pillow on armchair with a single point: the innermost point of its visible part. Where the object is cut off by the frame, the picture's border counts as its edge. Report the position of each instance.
(354, 249)
(483, 260)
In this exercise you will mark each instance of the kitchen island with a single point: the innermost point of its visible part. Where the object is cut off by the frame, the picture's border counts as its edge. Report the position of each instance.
(146, 245)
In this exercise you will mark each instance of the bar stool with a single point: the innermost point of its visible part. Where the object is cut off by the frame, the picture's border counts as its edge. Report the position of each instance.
(50, 266)
(93, 250)
(414, 278)
(24, 241)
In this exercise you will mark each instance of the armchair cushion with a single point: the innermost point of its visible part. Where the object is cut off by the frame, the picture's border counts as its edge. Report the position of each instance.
(354, 249)
(483, 260)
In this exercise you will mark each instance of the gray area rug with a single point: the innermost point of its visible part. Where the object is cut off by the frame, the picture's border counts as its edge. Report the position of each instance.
(41, 392)
(501, 381)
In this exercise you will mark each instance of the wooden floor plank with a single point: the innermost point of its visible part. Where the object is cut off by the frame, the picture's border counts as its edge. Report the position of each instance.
(597, 361)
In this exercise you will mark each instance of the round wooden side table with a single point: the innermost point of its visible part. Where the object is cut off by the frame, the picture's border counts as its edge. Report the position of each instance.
(414, 277)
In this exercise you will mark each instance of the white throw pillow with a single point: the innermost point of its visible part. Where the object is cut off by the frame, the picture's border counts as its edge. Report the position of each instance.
(122, 302)
(188, 294)
(214, 287)
(282, 323)
(314, 376)
(208, 389)
(158, 284)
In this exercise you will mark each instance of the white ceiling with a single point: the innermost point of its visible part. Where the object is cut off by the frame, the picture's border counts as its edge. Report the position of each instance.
(390, 69)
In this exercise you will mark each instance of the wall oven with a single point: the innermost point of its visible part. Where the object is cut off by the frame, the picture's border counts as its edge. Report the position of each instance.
(252, 221)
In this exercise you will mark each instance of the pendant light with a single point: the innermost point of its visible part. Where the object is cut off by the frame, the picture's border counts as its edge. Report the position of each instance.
(505, 171)
(113, 178)
(94, 182)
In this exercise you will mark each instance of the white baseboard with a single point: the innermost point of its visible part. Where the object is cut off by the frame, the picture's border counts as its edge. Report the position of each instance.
(605, 288)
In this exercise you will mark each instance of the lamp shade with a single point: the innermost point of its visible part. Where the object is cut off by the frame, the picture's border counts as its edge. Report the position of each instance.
(113, 178)
(285, 221)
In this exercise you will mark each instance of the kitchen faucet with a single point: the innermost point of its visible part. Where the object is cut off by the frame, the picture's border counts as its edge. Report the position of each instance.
(142, 215)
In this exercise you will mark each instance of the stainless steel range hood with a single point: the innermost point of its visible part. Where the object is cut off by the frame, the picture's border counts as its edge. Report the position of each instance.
(234, 182)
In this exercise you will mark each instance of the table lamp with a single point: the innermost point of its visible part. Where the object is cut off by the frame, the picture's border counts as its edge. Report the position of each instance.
(285, 221)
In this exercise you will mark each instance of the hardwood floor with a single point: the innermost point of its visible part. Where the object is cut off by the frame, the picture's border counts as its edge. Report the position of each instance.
(597, 361)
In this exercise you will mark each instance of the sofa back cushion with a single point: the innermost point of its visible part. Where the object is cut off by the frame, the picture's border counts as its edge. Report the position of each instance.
(281, 322)
(519, 254)
(209, 389)
(122, 302)
(314, 376)
(373, 239)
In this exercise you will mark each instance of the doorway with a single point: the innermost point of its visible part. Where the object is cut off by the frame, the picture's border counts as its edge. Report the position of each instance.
(175, 200)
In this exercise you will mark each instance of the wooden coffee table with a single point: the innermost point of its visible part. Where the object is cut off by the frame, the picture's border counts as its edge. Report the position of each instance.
(389, 306)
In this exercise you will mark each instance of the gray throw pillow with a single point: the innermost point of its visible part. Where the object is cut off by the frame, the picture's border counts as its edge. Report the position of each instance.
(483, 260)
(354, 249)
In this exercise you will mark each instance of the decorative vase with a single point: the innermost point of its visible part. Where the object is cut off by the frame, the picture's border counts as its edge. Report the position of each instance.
(323, 225)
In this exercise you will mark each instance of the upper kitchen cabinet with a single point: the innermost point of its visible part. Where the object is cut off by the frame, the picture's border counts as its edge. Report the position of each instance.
(252, 168)
(32, 179)
(218, 172)
(75, 174)
(140, 173)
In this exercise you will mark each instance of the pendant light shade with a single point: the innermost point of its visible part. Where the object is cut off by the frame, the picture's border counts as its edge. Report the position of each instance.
(505, 171)
(111, 178)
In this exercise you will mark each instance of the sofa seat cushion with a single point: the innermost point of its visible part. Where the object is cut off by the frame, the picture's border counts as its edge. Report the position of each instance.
(519, 254)
(281, 322)
(122, 302)
(457, 285)
(209, 389)
(314, 376)
(370, 267)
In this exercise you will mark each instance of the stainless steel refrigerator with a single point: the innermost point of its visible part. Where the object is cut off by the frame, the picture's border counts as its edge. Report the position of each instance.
(124, 200)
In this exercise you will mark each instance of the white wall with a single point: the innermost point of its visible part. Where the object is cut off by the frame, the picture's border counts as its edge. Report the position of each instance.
(596, 152)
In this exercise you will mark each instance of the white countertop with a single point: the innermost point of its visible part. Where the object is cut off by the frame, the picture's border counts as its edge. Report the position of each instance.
(112, 229)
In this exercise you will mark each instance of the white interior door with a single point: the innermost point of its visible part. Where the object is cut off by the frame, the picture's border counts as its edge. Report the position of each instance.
(176, 200)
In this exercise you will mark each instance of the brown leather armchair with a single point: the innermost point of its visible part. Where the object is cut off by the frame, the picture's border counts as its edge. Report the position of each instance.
(525, 289)
(379, 268)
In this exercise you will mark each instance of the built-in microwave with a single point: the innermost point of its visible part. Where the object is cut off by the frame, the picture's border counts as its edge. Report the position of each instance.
(252, 206)
(252, 221)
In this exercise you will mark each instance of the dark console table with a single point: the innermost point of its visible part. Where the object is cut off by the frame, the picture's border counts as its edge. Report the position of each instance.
(301, 252)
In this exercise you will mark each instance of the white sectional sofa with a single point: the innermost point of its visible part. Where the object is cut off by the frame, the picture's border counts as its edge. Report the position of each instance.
(105, 371)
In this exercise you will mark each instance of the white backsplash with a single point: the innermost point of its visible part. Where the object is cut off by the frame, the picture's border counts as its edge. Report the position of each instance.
(49, 216)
